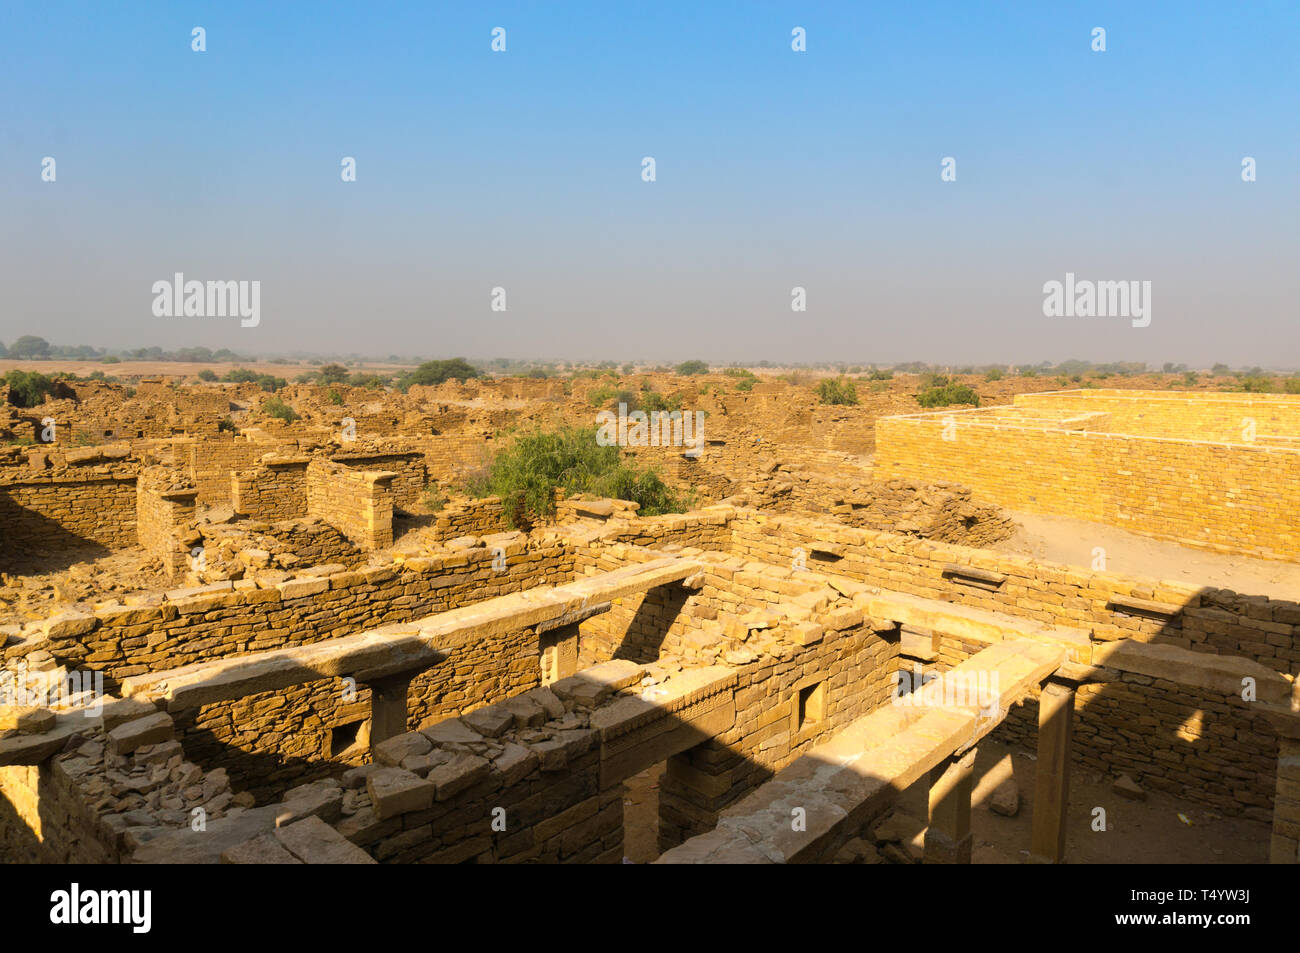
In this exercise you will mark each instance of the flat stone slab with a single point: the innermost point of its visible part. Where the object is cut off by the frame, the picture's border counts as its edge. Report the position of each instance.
(262, 849)
(149, 730)
(312, 841)
(451, 731)
(394, 791)
(461, 772)
(33, 749)
(593, 685)
(400, 747)
(976, 625)
(368, 653)
(491, 721)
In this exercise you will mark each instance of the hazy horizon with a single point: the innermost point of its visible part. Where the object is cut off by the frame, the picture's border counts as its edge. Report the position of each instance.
(522, 169)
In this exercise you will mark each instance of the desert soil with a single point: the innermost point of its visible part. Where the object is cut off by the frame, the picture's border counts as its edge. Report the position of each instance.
(1070, 541)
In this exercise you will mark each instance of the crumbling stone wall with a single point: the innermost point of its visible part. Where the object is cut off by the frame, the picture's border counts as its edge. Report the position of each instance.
(60, 511)
(844, 675)
(1219, 757)
(471, 518)
(233, 550)
(359, 503)
(186, 626)
(408, 469)
(268, 740)
(45, 820)
(275, 489)
(210, 459)
(164, 505)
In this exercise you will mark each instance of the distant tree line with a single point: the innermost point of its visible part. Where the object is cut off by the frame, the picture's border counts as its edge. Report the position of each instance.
(29, 347)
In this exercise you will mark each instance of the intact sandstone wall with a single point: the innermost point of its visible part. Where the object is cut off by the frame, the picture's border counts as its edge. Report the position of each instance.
(1235, 498)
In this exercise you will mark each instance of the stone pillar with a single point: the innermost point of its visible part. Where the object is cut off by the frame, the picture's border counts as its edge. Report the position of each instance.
(1052, 780)
(388, 707)
(948, 838)
(1285, 845)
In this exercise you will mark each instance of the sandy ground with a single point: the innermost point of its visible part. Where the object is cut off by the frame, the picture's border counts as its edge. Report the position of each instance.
(1072, 541)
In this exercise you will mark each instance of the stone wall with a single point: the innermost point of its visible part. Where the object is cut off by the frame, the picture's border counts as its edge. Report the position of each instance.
(1228, 498)
(535, 779)
(274, 489)
(451, 457)
(44, 514)
(359, 503)
(267, 740)
(1217, 417)
(408, 469)
(470, 518)
(164, 505)
(210, 460)
(1177, 739)
(44, 819)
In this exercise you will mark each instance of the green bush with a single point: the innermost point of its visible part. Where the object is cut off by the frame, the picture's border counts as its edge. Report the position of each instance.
(110, 359)
(275, 407)
(1257, 384)
(994, 375)
(207, 375)
(745, 385)
(434, 499)
(335, 397)
(652, 400)
(947, 395)
(600, 396)
(882, 375)
(29, 388)
(432, 373)
(841, 391)
(691, 368)
(333, 374)
(526, 474)
(225, 425)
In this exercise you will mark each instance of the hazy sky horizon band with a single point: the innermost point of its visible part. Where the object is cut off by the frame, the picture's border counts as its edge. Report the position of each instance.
(775, 169)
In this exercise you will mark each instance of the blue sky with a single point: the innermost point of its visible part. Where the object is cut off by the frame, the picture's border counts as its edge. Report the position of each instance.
(775, 169)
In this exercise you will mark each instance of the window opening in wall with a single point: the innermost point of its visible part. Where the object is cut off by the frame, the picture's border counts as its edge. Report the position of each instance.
(811, 704)
(343, 737)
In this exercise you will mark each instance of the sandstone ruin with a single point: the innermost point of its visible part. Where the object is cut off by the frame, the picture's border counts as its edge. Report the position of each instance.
(226, 638)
